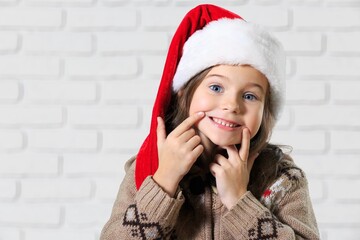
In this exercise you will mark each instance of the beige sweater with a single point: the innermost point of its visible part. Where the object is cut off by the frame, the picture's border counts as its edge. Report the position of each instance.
(283, 212)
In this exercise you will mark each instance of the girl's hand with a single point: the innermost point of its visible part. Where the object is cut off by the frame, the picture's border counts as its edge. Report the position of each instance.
(232, 174)
(177, 152)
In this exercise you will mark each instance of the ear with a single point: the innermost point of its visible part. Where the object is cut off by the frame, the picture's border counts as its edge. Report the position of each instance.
(180, 92)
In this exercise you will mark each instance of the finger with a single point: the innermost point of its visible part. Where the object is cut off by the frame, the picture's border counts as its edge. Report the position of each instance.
(188, 123)
(198, 150)
(160, 131)
(232, 152)
(220, 160)
(187, 135)
(245, 145)
(214, 168)
(193, 142)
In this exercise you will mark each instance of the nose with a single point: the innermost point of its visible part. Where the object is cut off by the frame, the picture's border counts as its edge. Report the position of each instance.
(231, 104)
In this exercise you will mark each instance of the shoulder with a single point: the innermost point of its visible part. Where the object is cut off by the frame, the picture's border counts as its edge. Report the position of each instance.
(289, 170)
(290, 178)
(130, 164)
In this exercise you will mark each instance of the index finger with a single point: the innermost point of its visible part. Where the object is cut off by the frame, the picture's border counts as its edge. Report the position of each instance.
(188, 123)
(245, 145)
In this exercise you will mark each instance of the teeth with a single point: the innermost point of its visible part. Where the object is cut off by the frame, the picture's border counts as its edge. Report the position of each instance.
(227, 124)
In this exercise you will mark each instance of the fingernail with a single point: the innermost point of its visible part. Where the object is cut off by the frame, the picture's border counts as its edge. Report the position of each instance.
(200, 113)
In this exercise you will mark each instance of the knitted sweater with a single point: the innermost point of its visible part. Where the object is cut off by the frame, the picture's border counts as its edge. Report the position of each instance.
(283, 212)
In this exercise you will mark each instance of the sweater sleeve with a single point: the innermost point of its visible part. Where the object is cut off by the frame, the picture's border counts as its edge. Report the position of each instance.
(284, 212)
(148, 213)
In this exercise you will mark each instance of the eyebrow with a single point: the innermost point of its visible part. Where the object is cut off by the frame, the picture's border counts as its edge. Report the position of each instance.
(257, 86)
(252, 84)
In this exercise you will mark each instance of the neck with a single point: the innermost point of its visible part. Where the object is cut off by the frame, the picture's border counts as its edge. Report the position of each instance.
(210, 150)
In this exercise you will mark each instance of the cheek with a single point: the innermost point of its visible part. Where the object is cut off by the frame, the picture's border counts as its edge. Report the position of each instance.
(255, 124)
(198, 104)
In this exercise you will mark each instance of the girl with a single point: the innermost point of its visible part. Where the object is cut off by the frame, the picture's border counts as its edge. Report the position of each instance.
(206, 170)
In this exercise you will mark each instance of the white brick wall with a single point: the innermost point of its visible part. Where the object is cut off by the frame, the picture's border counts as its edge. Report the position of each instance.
(77, 82)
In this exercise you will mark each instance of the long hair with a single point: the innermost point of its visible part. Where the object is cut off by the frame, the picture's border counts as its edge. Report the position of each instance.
(267, 165)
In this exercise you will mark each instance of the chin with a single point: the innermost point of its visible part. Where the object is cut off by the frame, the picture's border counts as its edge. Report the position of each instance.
(224, 143)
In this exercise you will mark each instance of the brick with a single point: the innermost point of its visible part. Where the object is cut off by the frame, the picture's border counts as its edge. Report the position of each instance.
(9, 234)
(267, 2)
(102, 18)
(302, 142)
(345, 91)
(348, 233)
(21, 164)
(343, 2)
(11, 140)
(316, 189)
(85, 215)
(59, 234)
(29, 66)
(8, 190)
(9, 91)
(290, 67)
(337, 213)
(125, 117)
(285, 120)
(8, 42)
(107, 189)
(343, 189)
(132, 42)
(55, 189)
(108, 67)
(8, 2)
(224, 3)
(153, 17)
(304, 1)
(34, 18)
(320, 17)
(29, 215)
(327, 115)
(60, 2)
(301, 43)
(55, 43)
(153, 65)
(116, 2)
(315, 92)
(63, 140)
(93, 165)
(328, 165)
(255, 14)
(345, 141)
(30, 116)
(55, 92)
(343, 42)
(146, 117)
(328, 67)
(124, 139)
(135, 91)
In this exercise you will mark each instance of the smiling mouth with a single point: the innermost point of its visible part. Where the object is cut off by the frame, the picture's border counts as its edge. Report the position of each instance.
(224, 123)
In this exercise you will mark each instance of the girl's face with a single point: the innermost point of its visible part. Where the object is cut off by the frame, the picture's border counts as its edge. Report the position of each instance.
(232, 98)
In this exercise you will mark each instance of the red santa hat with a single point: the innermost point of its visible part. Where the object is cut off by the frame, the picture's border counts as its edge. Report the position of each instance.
(207, 36)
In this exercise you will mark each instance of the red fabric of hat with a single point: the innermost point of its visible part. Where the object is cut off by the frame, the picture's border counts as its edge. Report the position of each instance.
(195, 19)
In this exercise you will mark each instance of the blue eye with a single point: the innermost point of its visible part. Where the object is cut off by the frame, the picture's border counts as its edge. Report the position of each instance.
(250, 97)
(216, 88)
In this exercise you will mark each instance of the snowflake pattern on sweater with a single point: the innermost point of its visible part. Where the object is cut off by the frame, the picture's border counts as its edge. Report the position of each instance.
(275, 193)
(140, 227)
(267, 228)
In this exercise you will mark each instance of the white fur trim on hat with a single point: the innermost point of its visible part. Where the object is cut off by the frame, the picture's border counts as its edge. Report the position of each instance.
(234, 42)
